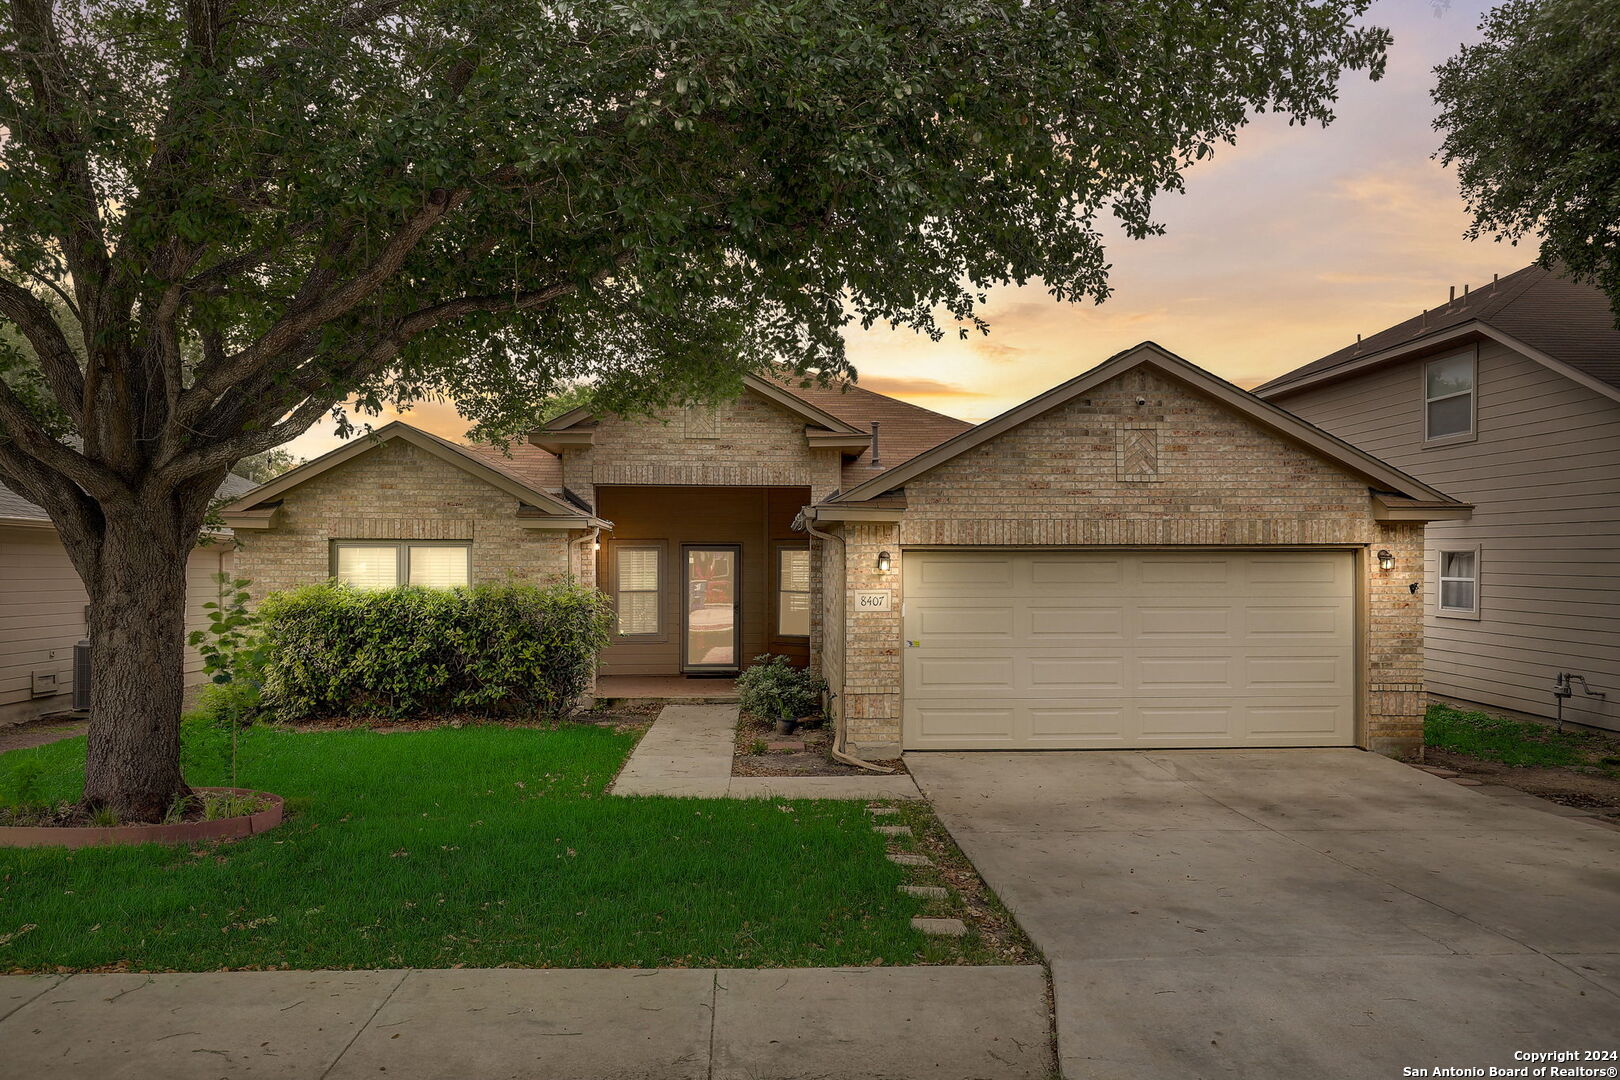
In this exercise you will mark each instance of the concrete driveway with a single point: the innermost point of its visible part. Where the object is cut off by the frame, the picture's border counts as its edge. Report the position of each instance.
(1292, 913)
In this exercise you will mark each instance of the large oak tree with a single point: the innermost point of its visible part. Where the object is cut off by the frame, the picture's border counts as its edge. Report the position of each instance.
(252, 211)
(1531, 118)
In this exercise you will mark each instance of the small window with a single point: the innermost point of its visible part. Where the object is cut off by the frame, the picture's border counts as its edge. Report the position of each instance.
(1459, 583)
(792, 592)
(382, 565)
(637, 570)
(1448, 397)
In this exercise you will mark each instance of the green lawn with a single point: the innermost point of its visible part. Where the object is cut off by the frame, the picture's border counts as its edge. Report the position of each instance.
(1517, 742)
(482, 846)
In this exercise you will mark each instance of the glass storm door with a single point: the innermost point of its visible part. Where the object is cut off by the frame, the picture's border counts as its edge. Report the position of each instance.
(711, 639)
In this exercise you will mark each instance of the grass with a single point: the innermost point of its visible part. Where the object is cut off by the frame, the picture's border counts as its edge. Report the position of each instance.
(1517, 742)
(483, 846)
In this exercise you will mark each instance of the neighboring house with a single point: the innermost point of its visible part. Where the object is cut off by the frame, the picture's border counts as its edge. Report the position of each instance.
(1145, 556)
(1507, 397)
(43, 606)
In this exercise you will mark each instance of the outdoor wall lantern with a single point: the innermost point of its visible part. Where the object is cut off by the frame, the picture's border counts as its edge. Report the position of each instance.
(1386, 561)
(883, 562)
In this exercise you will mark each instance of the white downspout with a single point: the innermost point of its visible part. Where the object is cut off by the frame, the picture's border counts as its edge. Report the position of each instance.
(840, 731)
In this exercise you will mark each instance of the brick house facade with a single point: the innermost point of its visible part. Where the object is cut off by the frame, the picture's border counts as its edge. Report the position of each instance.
(1144, 469)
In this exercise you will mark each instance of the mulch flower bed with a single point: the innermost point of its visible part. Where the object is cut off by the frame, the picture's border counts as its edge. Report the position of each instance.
(760, 751)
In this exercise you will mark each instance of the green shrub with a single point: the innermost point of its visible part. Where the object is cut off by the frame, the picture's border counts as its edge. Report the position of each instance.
(493, 650)
(772, 686)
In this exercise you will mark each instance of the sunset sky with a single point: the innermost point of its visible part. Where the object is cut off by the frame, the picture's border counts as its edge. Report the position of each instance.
(1284, 247)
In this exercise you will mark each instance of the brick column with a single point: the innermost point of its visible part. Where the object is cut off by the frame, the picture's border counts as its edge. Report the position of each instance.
(872, 642)
(1396, 699)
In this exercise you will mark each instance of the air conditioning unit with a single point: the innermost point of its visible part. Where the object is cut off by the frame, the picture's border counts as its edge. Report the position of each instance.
(81, 676)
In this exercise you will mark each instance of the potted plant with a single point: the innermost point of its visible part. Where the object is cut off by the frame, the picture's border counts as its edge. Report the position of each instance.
(773, 687)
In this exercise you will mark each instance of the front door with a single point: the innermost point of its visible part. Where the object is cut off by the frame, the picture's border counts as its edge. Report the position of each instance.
(711, 626)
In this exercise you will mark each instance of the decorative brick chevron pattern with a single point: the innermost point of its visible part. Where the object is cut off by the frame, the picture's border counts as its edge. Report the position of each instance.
(1137, 458)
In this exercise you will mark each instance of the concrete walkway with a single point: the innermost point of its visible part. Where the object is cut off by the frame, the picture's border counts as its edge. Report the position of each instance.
(688, 751)
(1272, 915)
(942, 1023)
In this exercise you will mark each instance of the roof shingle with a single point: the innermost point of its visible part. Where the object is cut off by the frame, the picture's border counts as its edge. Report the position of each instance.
(904, 430)
(1568, 321)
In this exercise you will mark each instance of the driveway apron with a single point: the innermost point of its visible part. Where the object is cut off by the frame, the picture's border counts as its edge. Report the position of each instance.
(1289, 913)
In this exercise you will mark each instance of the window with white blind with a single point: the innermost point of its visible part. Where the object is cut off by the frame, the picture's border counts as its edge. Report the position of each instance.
(792, 591)
(636, 581)
(383, 564)
(1459, 583)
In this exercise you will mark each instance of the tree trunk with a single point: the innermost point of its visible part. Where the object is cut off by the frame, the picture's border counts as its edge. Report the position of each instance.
(137, 636)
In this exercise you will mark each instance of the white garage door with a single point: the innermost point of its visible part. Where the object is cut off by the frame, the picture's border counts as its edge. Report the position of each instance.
(1018, 649)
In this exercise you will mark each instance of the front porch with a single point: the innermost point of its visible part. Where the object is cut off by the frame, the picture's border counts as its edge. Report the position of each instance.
(703, 580)
(666, 688)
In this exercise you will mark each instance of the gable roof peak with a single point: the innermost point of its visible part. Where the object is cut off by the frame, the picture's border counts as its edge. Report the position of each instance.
(1151, 353)
(454, 453)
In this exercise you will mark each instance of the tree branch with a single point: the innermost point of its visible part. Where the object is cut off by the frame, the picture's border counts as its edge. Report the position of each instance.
(21, 434)
(67, 149)
(57, 360)
(212, 380)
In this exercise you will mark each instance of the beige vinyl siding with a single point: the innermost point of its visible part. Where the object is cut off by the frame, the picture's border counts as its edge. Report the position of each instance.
(42, 606)
(1544, 475)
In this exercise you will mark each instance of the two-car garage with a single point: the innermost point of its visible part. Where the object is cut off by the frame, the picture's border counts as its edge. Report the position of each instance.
(1069, 649)
(1145, 556)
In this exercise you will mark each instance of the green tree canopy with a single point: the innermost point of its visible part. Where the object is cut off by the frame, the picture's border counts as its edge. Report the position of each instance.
(1531, 116)
(256, 211)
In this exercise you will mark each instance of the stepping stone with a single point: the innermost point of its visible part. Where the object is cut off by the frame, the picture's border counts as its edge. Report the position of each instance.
(906, 858)
(785, 744)
(892, 830)
(1467, 781)
(927, 892)
(940, 927)
(882, 811)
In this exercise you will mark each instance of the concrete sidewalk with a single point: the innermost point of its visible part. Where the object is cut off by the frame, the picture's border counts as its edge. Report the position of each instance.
(688, 752)
(943, 1023)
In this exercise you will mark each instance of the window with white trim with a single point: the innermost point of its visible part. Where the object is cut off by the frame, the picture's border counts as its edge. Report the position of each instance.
(1459, 582)
(1448, 396)
(792, 591)
(374, 564)
(638, 569)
